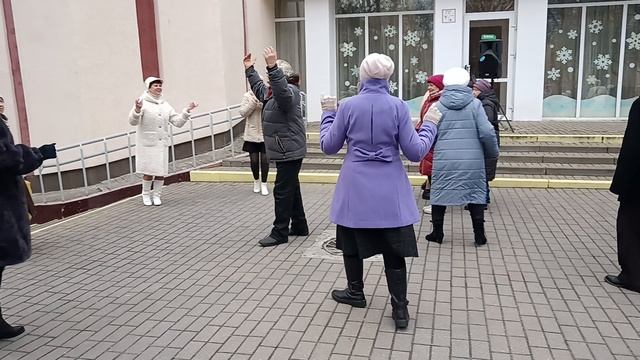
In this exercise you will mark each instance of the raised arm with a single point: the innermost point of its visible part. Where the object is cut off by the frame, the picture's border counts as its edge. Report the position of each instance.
(415, 145)
(179, 120)
(333, 128)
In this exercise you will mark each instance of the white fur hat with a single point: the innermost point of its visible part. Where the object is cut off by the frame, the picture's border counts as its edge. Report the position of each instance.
(151, 79)
(376, 66)
(456, 76)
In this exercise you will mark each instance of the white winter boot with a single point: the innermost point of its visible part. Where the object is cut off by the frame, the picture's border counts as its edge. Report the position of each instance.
(146, 192)
(256, 186)
(264, 190)
(157, 192)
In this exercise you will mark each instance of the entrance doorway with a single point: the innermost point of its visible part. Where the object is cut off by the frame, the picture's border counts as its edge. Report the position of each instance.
(494, 31)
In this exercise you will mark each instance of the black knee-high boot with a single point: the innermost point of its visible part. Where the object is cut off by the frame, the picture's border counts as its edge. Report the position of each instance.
(7, 331)
(353, 295)
(437, 218)
(477, 219)
(397, 284)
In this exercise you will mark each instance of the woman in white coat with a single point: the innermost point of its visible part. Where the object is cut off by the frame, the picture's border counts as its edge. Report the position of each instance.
(152, 115)
(251, 110)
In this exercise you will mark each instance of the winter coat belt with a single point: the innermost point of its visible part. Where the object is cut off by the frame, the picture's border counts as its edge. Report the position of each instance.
(386, 154)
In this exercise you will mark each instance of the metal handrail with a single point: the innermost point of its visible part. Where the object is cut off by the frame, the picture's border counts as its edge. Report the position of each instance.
(106, 150)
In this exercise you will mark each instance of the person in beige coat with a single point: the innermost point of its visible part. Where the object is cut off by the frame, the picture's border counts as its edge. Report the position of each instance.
(251, 110)
(153, 115)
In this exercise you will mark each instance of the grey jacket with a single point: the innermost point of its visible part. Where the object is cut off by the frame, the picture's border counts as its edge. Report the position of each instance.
(284, 131)
(465, 141)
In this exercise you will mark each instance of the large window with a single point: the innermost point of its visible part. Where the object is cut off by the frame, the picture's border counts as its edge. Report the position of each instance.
(590, 63)
(290, 38)
(364, 27)
(489, 5)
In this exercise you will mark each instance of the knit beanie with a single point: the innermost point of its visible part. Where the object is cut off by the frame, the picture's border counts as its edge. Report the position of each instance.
(482, 85)
(376, 66)
(456, 76)
(436, 80)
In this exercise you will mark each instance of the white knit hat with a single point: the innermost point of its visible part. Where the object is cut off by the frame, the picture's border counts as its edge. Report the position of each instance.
(376, 66)
(456, 76)
(151, 79)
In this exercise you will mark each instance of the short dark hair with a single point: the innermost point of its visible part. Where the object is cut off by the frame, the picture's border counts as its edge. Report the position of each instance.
(155, 82)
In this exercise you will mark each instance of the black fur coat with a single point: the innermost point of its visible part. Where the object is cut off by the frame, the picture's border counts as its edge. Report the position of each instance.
(626, 180)
(15, 161)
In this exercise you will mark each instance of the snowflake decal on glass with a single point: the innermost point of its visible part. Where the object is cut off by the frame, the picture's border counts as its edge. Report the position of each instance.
(355, 71)
(347, 49)
(564, 55)
(421, 77)
(357, 31)
(572, 34)
(634, 41)
(595, 27)
(412, 38)
(393, 86)
(603, 62)
(390, 31)
(386, 5)
(392, 47)
(553, 74)
(592, 80)
(414, 61)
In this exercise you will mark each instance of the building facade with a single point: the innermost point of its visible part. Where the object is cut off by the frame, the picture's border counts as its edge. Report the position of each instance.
(558, 59)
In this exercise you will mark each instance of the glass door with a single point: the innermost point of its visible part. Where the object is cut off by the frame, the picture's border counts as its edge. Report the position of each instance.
(488, 35)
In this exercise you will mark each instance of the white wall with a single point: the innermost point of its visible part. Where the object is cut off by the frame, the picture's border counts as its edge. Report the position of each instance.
(80, 65)
(531, 37)
(321, 53)
(261, 29)
(448, 38)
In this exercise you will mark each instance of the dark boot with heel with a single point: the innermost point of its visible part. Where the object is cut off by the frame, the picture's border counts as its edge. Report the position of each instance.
(479, 235)
(353, 295)
(397, 284)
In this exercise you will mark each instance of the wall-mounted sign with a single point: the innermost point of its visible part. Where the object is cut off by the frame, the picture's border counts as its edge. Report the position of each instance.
(448, 16)
(488, 37)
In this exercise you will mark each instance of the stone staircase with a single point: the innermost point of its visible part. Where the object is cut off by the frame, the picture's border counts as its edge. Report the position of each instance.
(516, 158)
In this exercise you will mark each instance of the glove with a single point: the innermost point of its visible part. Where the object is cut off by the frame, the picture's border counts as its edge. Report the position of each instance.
(433, 115)
(48, 151)
(329, 103)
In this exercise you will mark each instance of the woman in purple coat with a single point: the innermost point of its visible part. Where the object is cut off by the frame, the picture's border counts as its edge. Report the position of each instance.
(373, 204)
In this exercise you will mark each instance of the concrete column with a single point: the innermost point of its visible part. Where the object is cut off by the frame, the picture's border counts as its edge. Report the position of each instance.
(448, 37)
(531, 38)
(320, 36)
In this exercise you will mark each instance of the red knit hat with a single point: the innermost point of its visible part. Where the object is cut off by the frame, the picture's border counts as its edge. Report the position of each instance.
(436, 80)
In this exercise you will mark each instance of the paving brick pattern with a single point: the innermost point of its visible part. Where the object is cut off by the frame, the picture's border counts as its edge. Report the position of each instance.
(187, 281)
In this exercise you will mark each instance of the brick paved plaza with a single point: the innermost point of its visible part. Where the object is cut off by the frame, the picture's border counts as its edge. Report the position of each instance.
(188, 281)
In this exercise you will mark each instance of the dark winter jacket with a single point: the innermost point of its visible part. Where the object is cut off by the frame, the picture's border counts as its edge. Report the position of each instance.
(15, 161)
(490, 104)
(626, 183)
(284, 131)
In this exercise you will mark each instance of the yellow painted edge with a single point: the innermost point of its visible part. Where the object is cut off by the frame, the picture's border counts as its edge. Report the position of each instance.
(579, 184)
(331, 178)
(561, 138)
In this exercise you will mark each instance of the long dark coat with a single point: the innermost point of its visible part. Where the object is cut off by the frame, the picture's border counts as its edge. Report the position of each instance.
(15, 161)
(626, 179)
(490, 103)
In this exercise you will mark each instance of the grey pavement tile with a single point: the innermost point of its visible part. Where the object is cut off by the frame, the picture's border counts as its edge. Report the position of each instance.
(197, 286)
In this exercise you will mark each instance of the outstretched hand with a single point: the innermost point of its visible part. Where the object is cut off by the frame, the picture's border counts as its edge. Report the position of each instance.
(270, 56)
(192, 105)
(138, 105)
(329, 103)
(248, 61)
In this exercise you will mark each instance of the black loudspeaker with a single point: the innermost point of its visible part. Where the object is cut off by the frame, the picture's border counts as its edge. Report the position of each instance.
(490, 65)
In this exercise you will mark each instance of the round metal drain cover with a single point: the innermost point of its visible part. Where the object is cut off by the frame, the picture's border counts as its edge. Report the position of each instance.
(329, 246)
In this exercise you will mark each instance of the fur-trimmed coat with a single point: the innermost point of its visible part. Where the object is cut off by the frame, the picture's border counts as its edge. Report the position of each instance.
(15, 232)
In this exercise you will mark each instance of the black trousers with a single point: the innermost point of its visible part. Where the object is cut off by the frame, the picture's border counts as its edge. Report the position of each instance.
(288, 200)
(628, 229)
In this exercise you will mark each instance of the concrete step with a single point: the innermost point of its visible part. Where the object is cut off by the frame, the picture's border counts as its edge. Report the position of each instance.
(520, 157)
(508, 146)
(504, 167)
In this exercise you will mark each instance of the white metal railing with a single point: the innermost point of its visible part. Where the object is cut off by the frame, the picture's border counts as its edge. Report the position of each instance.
(104, 147)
